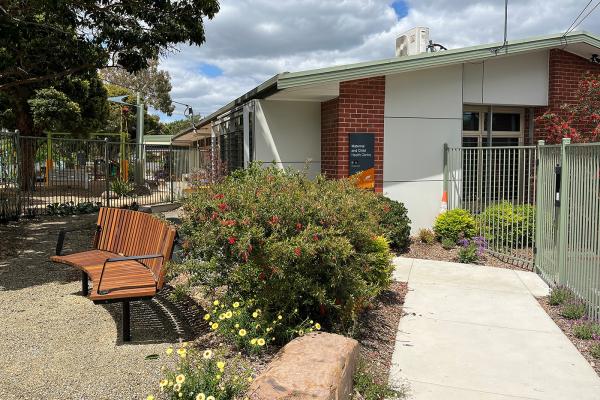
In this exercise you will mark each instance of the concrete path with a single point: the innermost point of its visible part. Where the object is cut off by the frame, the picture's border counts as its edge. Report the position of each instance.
(477, 332)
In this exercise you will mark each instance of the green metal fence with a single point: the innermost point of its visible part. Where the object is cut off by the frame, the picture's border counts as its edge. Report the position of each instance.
(568, 212)
(497, 186)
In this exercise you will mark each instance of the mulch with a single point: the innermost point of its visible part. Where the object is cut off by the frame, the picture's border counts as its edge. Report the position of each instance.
(566, 326)
(377, 330)
(435, 251)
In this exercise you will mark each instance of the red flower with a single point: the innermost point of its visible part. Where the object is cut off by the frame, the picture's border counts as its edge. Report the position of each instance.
(274, 220)
(298, 226)
(262, 276)
(218, 196)
(231, 240)
(223, 206)
(297, 251)
(316, 237)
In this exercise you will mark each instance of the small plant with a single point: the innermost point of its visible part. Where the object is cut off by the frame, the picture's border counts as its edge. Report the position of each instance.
(507, 224)
(121, 188)
(396, 224)
(595, 350)
(448, 244)
(471, 250)
(70, 208)
(206, 375)
(455, 224)
(572, 309)
(368, 387)
(586, 330)
(559, 295)
(426, 236)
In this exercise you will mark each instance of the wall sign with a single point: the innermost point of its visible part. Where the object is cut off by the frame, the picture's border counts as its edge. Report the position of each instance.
(362, 159)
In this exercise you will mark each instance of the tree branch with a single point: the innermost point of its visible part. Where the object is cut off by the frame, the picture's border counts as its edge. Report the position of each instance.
(45, 77)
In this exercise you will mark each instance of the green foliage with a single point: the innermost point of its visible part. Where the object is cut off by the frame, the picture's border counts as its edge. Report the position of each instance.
(253, 330)
(396, 224)
(506, 224)
(426, 236)
(174, 127)
(368, 387)
(70, 208)
(121, 188)
(595, 350)
(289, 242)
(559, 295)
(586, 330)
(455, 224)
(448, 244)
(468, 254)
(208, 373)
(572, 309)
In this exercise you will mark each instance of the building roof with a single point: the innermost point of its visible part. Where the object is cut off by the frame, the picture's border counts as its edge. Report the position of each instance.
(577, 42)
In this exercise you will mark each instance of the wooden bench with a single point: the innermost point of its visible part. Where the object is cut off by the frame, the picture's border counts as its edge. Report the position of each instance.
(128, 259)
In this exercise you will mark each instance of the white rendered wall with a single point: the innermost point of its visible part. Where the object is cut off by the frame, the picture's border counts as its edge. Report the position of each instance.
(423, 110)
(288, 133)
(512, 80)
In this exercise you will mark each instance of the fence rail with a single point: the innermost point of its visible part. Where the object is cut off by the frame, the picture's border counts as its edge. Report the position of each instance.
(496, 185)
(39, 175)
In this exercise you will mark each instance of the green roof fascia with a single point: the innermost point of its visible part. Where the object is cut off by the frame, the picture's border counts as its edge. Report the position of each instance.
(430, 60)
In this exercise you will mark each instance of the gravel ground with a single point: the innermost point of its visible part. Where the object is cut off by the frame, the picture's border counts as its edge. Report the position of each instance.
(56, 344)
(435, 251)
(567, 327)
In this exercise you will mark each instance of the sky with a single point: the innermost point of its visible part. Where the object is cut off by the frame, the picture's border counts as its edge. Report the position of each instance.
(249, 41)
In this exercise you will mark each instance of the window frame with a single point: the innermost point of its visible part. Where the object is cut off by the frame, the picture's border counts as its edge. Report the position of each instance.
(481, 133)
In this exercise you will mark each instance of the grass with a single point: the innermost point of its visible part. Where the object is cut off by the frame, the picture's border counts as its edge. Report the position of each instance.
(367, 387)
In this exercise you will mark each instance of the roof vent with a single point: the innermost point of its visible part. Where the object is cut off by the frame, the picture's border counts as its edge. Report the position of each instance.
(413, 42)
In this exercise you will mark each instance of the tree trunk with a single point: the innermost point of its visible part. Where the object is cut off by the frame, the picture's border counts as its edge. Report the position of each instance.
(28, 146)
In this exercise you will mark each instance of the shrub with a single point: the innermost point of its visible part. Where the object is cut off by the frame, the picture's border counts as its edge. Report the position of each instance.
(121, 188)
(208, 373)
(455, 224)
(448, 244)
(396, 224)
(426, 236)
(471, 251)
(70, 208)
(572, 309)
(506, 224)
(595, 350)
(559, 295)
(253, 330)
(289, 242)
(586, 330)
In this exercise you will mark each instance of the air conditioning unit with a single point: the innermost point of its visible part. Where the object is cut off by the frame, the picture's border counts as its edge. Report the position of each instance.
(412, 42)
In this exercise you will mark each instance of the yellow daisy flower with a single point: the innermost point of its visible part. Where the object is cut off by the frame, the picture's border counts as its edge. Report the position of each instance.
(163, 383)
(214, 325)
(237, 326)
(261, 342)
(253, 341)
(150, 397)
(210, 398)
(220, 365)
(236, 304)
(279, 317)
(207, 355)
(218, 376)
(180, 378)
(254, 314)
(206, 317)
(200, 396)
(317, 326)
(221, 317)
(169, 351)
(216, 302)
(177, 387)
(228, 314)
(182, 352)
(249, 379)
(242, 332)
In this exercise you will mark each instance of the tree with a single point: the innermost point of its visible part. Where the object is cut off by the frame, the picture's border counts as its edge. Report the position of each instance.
(579, 121)
(174, 127)
(122, 118)
(44, 42)
(153, 84)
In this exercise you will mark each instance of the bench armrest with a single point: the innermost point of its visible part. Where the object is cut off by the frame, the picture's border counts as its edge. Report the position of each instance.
(128, 258)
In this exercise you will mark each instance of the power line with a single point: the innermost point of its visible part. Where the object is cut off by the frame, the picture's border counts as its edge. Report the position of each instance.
(575, 20)
(587, 15)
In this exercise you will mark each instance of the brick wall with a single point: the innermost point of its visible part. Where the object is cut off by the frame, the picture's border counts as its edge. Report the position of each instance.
(359, 108)
(565, 71)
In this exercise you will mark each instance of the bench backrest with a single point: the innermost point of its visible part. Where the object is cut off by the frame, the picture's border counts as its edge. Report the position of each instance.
(133, 233)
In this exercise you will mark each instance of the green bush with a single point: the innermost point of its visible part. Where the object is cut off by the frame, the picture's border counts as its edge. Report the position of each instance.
(121, 188)
(426, 236)
(595, 350)
(448, 244)
(289, 242)
(396, 224)
(572, 309)
(506, 224)
(454, 225)
(586, 330)
(559, 295)
(468, 254)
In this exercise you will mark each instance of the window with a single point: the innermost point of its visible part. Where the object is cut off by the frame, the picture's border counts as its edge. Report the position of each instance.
(503, 122)
(507, 126)
(470, 121)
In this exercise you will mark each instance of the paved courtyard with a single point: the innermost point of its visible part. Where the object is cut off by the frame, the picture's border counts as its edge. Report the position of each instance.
(476, 332)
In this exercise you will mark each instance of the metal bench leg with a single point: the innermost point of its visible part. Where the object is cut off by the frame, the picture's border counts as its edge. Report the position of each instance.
(125, 330)
(84, 283)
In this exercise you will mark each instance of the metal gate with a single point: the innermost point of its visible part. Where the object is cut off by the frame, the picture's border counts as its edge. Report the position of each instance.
(10, 204)
(568, 215)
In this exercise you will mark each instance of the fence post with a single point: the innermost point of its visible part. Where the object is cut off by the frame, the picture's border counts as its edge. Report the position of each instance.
(563, 212)
(171, 159)
(446, 173)
(538, 209)
(106, 172)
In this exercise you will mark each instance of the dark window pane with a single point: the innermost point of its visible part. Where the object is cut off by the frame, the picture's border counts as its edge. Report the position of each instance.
(470, 121)
(469, 142)
(506, 122)
(499, 142)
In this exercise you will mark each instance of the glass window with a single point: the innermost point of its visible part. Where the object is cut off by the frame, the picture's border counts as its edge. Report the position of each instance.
(504, 122)
(470, 121)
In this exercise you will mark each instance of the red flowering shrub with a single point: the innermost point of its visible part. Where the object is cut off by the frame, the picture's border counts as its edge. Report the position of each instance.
(289, 243)
(579, 121)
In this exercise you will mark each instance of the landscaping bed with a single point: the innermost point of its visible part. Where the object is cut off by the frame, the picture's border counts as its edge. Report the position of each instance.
(568, 326)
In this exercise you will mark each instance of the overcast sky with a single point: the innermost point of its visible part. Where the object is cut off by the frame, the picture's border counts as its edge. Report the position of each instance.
(249, 41)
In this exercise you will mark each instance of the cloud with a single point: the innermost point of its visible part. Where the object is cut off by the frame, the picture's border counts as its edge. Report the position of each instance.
(251, 40)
